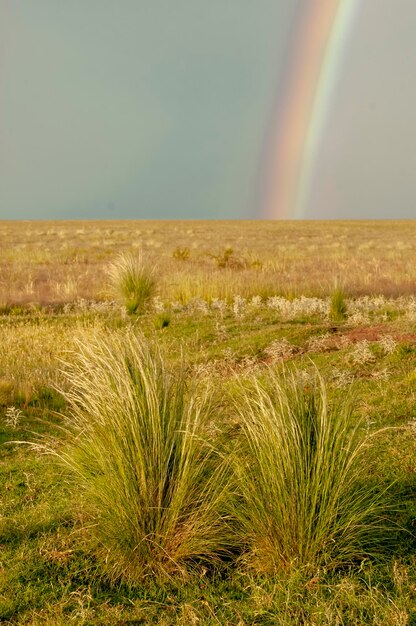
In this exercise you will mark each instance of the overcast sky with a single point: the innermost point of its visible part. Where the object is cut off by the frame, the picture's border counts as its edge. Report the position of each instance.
(161, 109)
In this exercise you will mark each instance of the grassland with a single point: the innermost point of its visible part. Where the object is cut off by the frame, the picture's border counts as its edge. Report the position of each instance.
(232, 301)
(57, 262)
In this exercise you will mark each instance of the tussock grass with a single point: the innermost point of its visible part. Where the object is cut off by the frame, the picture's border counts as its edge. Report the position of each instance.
(132, 280)
(138, 448)
(338, 306)
(304, 501)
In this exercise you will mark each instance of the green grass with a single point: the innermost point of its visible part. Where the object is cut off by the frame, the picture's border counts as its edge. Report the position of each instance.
(53, 568)
(338, 307)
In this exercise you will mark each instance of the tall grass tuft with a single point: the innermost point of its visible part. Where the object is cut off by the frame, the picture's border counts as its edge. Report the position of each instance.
(132, 280)
(338, 306)
(304, 501)
(153, 486)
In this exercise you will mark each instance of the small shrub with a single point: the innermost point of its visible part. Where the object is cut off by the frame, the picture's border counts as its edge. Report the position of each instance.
(304, 501)
(138, 448)
(133, 281)
(338, 307)
(227, 260)
(224, 259)
(181, 254)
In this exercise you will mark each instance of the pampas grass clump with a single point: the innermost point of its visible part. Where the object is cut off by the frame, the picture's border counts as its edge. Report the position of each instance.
(304, 501)
(132, 280)
(154, 488)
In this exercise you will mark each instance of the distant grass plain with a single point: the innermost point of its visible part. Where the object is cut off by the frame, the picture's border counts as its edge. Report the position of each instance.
(233, 302)
(52, 262)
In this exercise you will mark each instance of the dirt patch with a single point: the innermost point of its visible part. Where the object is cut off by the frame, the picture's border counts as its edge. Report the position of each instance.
(374, 333)
(366, 333)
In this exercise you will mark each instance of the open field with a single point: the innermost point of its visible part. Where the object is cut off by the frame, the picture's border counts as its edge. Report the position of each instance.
(55, 262)
(223, 319)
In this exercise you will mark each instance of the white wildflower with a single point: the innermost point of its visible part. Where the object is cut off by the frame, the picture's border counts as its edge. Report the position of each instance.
(198, 304)
(412, 426)
(280, 349)
(239, 305)
(318, 343)
(228, 355)
(255, 302)
(388, 344)
(358, 317)
(341, 378)
(13, 416)
(361, 354)
(281, 305)
(383, 374)
(221, 331)
(158, 305)
(219, 305)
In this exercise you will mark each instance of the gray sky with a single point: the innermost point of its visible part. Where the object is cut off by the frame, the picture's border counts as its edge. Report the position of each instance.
(161, 109)
(367, 161)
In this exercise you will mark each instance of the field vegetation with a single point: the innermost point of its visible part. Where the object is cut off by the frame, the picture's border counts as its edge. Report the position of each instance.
(208, 423)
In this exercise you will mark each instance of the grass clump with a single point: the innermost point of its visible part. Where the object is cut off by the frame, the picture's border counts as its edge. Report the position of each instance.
(133, 281)
(181, 254)
(162, 320)
(304, 501)
(138, 449)
(227, 260)
(338, 306)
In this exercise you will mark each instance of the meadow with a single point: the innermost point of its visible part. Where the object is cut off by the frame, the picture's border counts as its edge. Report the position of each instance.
(208, 423)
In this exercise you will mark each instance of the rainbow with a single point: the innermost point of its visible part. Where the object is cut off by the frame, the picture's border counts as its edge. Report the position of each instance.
(305, 92)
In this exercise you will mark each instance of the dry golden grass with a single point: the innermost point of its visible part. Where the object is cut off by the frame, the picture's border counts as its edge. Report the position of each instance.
(31, 352)
(55, 262)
